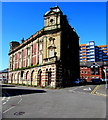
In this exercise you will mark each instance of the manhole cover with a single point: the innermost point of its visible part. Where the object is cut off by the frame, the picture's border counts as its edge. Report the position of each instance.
(19, 113)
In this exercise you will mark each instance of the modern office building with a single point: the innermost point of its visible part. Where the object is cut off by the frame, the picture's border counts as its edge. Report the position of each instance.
(91, 53)
(48, 58)
(93, 61)
(87, 52)
(103, 53)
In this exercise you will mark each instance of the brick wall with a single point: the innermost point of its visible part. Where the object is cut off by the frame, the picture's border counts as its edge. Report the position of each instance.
(85, 72)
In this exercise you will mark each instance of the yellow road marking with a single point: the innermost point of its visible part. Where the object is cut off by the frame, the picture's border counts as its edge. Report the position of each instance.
(96, 93)
(95, 89)
(100, 94)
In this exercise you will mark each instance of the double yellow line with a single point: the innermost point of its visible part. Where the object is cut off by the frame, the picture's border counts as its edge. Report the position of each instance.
(95, 89)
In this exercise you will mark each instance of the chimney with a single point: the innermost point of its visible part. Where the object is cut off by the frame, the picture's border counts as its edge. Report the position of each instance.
(22, 40)
(14, 44)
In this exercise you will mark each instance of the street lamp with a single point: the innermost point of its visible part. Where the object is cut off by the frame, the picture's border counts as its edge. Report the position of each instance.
(105, 77)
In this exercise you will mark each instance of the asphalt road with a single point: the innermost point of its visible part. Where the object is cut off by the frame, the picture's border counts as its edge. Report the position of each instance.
(73, 102)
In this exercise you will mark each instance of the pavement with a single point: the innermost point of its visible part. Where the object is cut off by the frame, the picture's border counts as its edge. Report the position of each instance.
(73, 102)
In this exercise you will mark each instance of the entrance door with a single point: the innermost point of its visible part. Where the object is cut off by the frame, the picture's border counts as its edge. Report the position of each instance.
(18, 78)
(32, 77)
(39, 77)
(12, 77)
(49, 78)
(27, 78)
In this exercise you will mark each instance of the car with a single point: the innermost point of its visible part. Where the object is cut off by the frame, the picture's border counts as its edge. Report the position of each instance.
(96, 81)
(76, 82)
(79, 81)
(103, 80)
(82, 81)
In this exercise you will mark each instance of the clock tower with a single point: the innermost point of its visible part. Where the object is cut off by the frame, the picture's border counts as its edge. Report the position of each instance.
(52, 18)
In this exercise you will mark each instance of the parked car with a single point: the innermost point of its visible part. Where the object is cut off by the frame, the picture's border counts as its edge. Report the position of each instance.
(76, 82)
(79, 81)
(103, 80)
(96, 81)
(82, 81)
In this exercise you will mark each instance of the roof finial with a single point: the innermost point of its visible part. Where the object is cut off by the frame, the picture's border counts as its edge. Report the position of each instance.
(22, 40)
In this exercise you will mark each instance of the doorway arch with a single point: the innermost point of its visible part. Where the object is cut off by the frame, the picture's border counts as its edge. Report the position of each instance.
(12, 77)
(27, 77)
(48, 76)
(32, 77)
(18, 78)
(39, 77)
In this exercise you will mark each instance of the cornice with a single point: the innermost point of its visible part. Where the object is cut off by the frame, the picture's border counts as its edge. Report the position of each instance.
(34, 37)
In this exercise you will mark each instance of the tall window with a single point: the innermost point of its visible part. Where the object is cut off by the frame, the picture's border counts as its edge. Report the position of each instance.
(51, 47)
(19, 60)
(93, 71)
(97, 71)
(40, 46)
(51, 52)
(40, 58)
(28, 56)
(40, 52)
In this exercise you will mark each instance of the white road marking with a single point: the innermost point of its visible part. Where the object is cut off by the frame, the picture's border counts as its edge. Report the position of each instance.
(8, 109)
(8, 98)
(20, 100)
(73, 90)
(87, 89)
(4, 103)
(12, 106)
(3, 98)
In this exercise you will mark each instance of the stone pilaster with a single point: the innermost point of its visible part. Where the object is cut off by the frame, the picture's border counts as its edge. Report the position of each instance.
(37, 49)
(31, 47)
(45, 47)
(22, 58)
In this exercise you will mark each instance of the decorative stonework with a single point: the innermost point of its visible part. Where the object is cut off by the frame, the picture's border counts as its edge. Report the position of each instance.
(43, 58)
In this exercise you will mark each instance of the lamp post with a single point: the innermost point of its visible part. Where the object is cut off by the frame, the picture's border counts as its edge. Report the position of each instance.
(105, 77)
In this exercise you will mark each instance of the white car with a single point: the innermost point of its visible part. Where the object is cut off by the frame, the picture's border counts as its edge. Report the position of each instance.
(103, 80)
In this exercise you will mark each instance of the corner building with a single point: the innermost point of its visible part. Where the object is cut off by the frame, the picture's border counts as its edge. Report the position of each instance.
(48, 58)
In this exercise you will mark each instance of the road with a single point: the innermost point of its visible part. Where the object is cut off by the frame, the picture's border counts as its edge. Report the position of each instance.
(73, 102)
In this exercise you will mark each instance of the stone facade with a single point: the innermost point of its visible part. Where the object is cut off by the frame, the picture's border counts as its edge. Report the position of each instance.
(50, 57)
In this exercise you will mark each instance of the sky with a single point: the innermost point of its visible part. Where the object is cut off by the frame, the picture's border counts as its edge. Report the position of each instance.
(23, 19)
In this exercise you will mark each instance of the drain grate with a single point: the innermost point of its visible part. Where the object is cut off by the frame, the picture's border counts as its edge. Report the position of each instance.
(19, 113)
